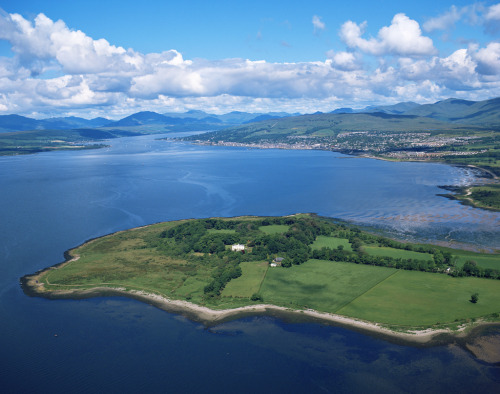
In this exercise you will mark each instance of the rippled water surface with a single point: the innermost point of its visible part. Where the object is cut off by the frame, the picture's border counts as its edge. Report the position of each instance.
(54, 201)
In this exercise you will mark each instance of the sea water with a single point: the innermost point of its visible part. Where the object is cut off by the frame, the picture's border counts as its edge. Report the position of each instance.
(51, 202)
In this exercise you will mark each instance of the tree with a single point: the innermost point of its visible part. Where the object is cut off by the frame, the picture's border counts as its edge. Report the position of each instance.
(474, 298)
(286, 263)
(256, 297)
(470, 268)
(439, 259)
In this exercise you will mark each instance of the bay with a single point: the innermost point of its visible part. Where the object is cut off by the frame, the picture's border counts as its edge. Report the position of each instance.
(54, 201)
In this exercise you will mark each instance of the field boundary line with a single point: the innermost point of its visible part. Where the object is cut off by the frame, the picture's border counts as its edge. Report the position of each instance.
(263, 279)
(363, 293)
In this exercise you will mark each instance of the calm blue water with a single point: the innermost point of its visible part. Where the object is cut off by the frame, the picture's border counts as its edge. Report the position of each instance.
(52, 202)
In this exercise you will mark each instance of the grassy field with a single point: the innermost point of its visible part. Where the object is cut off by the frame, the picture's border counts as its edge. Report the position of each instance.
(249, 282)
(419, 298)
(396, 253)
(120, 260)
(323, 241)
(321, 285)
(485, 261)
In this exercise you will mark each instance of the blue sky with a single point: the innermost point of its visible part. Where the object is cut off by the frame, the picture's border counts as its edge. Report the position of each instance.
(112, 58)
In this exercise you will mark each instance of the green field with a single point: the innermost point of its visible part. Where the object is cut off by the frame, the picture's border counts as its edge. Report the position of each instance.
(386, 295)
(321, 285)
(485, 261)
(249, 282)
(323, 241)
(122, 261)
(420, 298)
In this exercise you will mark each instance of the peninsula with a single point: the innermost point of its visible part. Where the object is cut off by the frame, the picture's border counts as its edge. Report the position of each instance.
(316, 268)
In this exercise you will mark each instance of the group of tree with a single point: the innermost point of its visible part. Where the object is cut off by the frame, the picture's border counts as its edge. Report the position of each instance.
(199, 242)
(221, 277)
(470, 268)
(381, 261)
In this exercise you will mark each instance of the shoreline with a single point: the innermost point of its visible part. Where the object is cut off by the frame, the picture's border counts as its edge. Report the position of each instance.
(211, 317)
(349, 152)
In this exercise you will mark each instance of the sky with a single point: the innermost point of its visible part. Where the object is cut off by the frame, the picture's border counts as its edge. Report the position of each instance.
(113, 58)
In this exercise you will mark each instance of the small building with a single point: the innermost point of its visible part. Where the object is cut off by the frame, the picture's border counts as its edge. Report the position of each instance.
(238, 248)
(277, 262)
(273, 265)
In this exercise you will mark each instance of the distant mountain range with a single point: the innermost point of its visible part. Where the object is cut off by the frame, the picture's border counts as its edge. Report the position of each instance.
(194, 119)
(21, 123)
(452, 116)
(451, 111)
(478, 113)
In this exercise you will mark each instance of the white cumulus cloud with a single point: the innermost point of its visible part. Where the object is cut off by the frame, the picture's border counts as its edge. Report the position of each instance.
(403, 38)
(347, 61)
(488, 59)
(43, 42)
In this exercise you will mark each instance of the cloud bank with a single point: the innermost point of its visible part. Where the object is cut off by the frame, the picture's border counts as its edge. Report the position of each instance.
(57, 70)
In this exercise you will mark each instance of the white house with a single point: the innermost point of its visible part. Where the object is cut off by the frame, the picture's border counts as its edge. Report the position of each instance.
(238, 248)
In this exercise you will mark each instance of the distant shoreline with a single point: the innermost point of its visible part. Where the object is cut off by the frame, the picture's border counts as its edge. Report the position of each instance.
(353, 153)
(485, 173)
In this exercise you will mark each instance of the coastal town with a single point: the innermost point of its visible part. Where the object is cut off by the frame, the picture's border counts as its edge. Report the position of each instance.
(395, 145)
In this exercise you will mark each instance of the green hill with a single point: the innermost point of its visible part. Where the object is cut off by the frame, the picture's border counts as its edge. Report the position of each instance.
(331, 125)
(481, 113)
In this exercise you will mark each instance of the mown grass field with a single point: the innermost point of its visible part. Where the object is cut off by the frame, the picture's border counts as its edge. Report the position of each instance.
(411, 298)
(321, 285)
(323, 241)
(249, 282)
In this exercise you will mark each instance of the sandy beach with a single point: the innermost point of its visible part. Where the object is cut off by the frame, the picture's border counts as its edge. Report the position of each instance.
(485, 348)
(32, 286)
